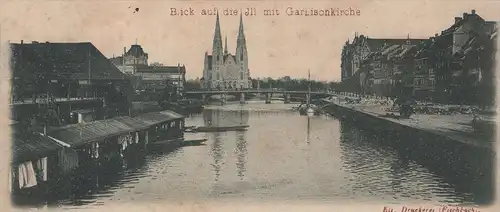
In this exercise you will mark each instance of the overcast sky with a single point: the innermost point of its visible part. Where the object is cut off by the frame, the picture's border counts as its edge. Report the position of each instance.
(277, 45)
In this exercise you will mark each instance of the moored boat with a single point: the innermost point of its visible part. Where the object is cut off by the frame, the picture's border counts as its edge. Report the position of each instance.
(220, 129)
(169, 142)
(194, 142)
(308, 108)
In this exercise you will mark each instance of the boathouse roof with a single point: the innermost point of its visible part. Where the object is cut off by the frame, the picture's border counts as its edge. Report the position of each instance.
(31, 146)
(80, 134)
(155, 118)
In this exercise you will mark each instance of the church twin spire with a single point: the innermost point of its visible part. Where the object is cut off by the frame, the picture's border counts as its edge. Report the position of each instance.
(241, 34)
(217, 42)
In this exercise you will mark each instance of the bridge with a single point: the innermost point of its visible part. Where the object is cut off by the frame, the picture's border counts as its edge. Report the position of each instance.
(267, 92)
(264, 91)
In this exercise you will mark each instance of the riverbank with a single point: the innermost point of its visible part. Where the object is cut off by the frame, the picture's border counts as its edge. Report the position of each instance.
(457, 127)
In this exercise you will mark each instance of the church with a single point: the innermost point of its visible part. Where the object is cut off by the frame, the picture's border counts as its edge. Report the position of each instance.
(223, 70)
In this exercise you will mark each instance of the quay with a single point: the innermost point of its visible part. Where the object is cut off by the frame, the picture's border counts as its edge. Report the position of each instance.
(456, 128)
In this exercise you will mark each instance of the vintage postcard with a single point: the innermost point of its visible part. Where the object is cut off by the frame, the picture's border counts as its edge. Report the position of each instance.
(321, 105)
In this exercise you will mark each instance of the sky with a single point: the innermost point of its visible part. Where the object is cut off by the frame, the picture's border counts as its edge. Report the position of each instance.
(277, 45)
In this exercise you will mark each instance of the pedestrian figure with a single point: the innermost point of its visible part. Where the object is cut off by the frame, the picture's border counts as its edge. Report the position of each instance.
(406, 109)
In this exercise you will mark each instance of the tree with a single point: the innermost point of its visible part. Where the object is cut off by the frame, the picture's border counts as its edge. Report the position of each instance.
(193, 84)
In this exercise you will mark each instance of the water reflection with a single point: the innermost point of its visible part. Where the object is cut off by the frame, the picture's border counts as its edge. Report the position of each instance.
(216, 117)
(217, 153)
(221, 118)
(308, 139)
(402, 162)
(90, 185)
(241, 148)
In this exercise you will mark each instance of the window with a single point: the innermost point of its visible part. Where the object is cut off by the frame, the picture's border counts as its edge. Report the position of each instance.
(217, 57)
(241, 56)
(241, 75)
(218, 75)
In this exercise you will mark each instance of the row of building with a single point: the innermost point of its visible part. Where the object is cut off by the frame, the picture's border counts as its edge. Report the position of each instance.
(454, 67)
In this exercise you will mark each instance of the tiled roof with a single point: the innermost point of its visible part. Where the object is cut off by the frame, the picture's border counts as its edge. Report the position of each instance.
(424, 48)
(62, 61)
(31, 146)
(117, 60)
(453, 27)
(490, 26)
(136, 51)
(406, 50)
(376, 44)
(390, 49)
(477, 42)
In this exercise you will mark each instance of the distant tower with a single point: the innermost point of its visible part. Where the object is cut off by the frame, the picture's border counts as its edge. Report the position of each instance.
(242, 56)
(217, 52)
(225, 46)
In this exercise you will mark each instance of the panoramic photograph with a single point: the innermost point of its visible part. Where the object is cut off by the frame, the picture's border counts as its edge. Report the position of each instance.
(273, 101)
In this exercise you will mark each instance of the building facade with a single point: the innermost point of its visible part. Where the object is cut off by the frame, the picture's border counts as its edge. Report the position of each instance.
(223, 70)
(134, 63)
(157, 77)
(454, 66)
(131, 59)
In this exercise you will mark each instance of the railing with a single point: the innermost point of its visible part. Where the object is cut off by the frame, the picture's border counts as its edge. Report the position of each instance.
(253, 90)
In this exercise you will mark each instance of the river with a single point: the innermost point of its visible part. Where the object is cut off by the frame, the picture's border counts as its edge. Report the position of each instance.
(282, 156)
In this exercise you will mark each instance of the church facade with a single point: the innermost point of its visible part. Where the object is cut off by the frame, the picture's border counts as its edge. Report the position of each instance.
(223, 70)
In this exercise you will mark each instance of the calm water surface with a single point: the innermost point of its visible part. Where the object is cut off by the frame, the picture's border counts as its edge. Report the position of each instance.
(282, 156)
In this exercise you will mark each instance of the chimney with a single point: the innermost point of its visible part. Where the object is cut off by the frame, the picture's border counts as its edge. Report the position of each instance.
(473, 12)
(22, 41)
(435, 35)
(465, 16)
(457, 19)
(124, 50)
